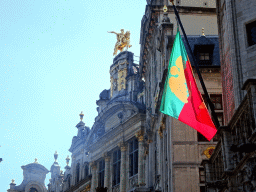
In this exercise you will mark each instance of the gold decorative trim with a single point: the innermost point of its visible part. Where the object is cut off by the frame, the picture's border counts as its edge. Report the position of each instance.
(162, 126)
(139, 135)
(208, 152)
(93, 165)
(122, 73)
(122, 145)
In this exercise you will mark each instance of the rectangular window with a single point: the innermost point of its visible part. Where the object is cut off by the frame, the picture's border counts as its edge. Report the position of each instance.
(251, 33)
(101, 173)
(133, 157)
(220, 118)
(217, 101)
(116, 166)
(201, 175)
(204, 56)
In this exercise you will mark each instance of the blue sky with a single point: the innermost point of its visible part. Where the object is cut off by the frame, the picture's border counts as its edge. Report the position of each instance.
(55, 59)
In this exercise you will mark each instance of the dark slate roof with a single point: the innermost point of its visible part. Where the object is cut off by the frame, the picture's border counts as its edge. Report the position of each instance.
(204, 40)
(105, 94)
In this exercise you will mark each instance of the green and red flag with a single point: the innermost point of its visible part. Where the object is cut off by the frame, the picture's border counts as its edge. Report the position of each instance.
(181, 98)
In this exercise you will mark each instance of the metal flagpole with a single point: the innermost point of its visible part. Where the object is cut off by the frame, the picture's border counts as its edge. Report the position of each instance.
(215, 119)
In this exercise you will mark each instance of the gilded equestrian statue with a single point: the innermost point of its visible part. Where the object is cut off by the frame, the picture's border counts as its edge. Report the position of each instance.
(123, 40)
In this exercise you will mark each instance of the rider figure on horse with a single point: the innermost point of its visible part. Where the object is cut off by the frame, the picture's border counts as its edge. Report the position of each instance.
(122, 40)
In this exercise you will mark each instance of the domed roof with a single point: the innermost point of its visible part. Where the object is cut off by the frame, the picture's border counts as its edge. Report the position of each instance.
(104, 95)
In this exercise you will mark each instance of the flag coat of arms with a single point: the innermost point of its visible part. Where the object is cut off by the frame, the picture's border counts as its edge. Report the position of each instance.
(181, 98)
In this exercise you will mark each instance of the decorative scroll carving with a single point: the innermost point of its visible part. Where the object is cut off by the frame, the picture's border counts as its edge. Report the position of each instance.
(133, 182)
(162, 127)
(139, 135)
(116, 188)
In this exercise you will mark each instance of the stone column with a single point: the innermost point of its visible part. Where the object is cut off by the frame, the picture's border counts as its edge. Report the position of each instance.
(107, 172)
(140, 138)
(123, 168)
(94, 175)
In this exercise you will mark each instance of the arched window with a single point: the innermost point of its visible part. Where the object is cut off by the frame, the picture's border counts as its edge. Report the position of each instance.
(69, 181)
(33, 189)
(77, 172)
(86, 170)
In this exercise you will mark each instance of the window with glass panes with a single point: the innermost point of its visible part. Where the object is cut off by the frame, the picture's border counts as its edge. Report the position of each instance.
(201, 175)
(101, 173)
(217, 101)
(77, 172)
(204, 56)
(133, 157)
(220, 118)
(116, 166)
(251, 33)
(86, 170)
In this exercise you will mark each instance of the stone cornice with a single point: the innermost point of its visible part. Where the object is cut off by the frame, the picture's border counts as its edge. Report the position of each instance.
(117, 130)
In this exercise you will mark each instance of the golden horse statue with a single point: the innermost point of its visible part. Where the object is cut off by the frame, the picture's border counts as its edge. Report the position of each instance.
(123, 40)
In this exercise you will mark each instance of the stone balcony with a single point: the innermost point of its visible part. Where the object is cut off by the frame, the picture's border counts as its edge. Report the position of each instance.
(233, 162)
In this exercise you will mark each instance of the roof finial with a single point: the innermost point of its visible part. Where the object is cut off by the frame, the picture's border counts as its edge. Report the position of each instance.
(203, 31)
(13, 181)
(67, 160)
(55, 156)
(81, 115)
(165, 9)
(35, 160)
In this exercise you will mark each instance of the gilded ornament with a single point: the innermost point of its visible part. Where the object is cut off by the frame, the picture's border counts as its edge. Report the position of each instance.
(208, 152)
(165, 8)
(123, 40)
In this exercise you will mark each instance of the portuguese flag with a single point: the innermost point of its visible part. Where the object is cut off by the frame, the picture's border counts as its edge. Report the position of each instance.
(181, 98)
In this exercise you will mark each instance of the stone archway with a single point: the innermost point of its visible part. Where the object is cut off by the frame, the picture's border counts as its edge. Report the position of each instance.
(37, 187)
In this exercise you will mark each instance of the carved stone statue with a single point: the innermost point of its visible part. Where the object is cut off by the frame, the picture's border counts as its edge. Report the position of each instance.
(123, 40)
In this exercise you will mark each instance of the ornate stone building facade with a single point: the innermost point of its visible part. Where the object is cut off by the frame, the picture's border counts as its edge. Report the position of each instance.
(175, 150)
(132, 146)
(232, 166)
(110, 154)
(33, 179)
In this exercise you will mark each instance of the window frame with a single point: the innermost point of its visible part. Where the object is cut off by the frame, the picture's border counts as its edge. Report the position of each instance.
(86, 170)
(133, 157)
(77, 172)
(249, 37)
(116, 167)
(101, 173)
(216, 96)
(201, 169)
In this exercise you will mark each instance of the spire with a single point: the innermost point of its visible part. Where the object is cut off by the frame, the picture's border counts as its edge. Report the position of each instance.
(36, 161)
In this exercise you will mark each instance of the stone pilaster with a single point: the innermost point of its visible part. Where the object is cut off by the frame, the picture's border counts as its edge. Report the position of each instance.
(123, 168)
(140, 138)
(94, 177)
(107, 172)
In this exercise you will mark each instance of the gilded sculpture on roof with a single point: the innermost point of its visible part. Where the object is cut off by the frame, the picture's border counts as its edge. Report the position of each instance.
(123, 41)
